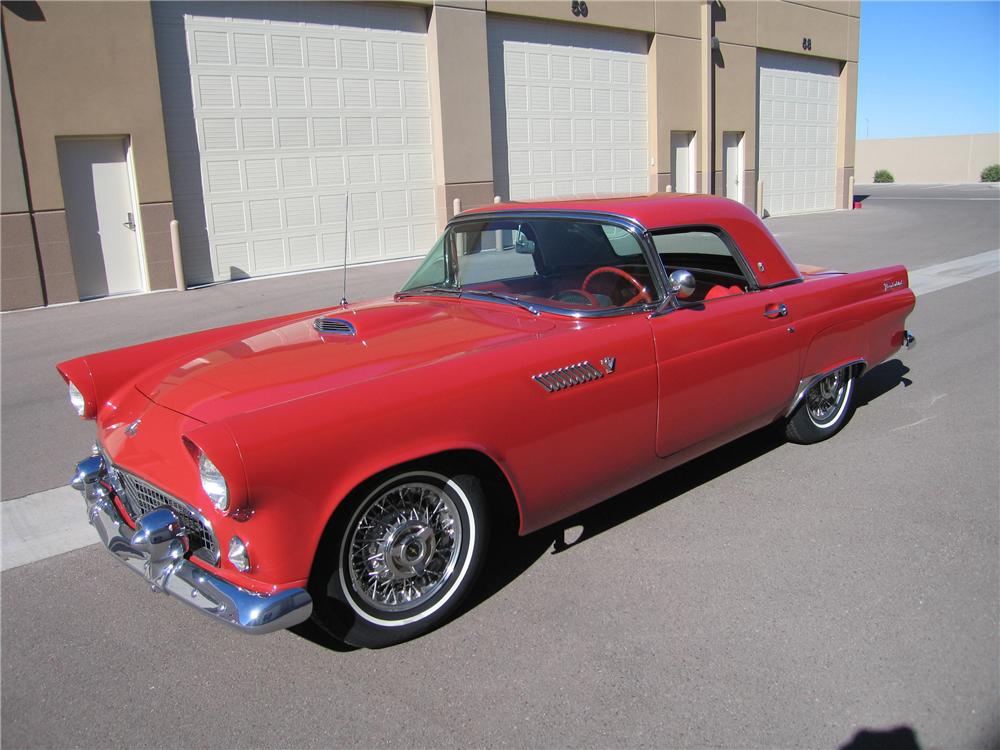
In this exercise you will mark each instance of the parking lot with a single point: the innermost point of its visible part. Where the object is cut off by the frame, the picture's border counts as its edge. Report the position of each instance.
(764, 595)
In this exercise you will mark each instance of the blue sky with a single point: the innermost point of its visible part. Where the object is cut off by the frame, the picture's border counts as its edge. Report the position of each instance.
(928, 68)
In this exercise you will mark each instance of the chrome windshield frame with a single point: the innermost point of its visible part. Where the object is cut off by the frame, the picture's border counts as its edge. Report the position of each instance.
(633, 227)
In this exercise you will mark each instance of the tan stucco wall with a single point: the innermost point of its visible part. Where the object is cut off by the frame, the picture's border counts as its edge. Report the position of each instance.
(460, 108)
(736, 100)
(677, 17)
(783, 25)
(636, 15)
(13, 198)
(88, 68)
(938, 159)
(675, 91)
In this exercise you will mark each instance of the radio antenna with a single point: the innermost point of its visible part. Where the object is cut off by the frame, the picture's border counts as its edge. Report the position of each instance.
(347, 232)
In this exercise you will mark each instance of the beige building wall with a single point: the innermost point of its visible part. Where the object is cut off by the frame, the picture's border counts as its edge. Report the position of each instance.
(635, 15)
(938, 159)
(460, 108)
(20, 276)
(675, 70)
(743, 28)
(677, 50)
(89, 69)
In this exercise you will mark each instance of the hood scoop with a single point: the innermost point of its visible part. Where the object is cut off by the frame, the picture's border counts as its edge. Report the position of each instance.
(326, 324)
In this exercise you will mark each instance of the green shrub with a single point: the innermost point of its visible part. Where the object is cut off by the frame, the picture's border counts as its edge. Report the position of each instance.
(990, 173)
(884, 175)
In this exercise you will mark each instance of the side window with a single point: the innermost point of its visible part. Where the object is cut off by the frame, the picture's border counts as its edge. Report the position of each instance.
(621, 241)
(493, 250)
(708, 255)
(693, 242)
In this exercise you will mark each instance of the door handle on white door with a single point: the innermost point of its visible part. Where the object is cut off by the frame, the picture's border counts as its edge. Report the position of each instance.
(131, 222)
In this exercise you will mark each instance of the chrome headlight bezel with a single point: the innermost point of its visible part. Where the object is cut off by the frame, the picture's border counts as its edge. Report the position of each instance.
(213, 483)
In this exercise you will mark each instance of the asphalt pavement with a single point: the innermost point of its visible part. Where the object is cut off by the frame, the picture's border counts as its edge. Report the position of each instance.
(765, 595)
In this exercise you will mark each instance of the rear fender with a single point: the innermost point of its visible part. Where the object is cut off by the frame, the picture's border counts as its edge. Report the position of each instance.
(835, 347)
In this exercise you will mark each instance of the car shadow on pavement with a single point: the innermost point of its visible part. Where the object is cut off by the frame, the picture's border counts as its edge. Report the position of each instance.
(899, 738)
(880, 380)
(510, 555)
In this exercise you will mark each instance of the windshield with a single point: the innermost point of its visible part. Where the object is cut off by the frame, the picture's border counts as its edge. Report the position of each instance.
(570, 264)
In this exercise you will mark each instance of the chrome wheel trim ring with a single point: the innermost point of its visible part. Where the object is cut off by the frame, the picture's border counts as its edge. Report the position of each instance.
(827, 400)
(450, 582)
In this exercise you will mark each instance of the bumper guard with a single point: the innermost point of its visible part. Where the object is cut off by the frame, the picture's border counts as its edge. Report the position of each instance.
(156, 550)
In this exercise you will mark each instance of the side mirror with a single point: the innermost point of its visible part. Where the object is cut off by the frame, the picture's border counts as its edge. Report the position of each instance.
(682, 283)
(524, 246)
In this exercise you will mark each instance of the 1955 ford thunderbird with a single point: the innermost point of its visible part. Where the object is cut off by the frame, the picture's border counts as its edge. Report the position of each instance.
(347, 463)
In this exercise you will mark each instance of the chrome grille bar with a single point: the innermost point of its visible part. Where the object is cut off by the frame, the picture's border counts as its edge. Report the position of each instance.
(140, 497)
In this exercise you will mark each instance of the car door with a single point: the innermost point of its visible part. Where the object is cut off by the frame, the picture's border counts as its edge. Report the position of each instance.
(726, 364)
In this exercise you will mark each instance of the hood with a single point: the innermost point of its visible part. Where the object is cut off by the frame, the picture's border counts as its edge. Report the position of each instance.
(294, 359)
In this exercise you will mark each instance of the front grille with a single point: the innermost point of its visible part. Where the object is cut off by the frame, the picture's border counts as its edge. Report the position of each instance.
(140, 497)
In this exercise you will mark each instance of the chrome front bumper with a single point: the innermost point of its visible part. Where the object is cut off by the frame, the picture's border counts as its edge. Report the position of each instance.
(156, 550)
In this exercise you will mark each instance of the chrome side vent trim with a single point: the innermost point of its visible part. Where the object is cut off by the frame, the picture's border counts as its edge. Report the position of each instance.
(567, 377)
(335, 325)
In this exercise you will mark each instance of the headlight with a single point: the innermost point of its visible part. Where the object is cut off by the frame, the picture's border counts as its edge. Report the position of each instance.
(77, 400)
(213, 483)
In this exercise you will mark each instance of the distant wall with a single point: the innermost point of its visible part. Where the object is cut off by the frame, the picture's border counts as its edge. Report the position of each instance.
(942, 159)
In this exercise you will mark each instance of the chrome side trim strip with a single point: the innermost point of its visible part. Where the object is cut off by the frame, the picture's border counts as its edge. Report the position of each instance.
(806, 383)
(566, 377)
(156, 549)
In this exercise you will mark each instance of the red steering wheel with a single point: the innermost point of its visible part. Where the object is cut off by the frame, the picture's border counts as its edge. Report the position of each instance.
(642, 295)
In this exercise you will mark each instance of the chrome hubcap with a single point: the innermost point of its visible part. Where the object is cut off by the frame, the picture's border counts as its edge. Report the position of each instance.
(825, 398)
(404, 547)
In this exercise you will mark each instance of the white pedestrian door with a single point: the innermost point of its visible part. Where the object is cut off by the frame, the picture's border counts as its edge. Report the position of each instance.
(732, 165)
(101, 217)
(682, 161)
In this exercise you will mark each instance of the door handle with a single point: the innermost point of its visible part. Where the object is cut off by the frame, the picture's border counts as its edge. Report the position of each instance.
(776, 311)
(131, 222)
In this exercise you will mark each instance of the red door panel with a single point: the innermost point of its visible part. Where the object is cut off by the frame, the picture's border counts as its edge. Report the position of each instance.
(723, 366)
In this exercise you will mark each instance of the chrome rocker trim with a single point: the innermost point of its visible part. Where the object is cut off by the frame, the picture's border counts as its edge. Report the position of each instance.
(156, 549)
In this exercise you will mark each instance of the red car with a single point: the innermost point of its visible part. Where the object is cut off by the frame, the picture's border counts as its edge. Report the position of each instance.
(348, 463)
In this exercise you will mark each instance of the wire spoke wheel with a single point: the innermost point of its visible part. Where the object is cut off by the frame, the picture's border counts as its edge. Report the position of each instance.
(825, 408)
(402, 555)
(404, 547)
(826, 397)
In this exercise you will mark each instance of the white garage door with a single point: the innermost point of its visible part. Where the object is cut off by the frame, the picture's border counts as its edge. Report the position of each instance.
(799, 121)
(569, 110)
(274, 112)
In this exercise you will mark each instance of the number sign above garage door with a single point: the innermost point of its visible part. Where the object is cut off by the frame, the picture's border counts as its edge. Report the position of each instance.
(274, 112)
